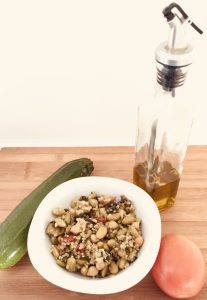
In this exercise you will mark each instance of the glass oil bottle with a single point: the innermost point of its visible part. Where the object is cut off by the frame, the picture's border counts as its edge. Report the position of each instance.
(164, 123)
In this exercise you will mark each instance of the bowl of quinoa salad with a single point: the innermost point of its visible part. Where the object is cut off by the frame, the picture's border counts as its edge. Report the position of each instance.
(95, 235)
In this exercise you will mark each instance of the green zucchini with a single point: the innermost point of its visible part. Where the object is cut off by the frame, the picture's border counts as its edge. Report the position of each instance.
(14, 230)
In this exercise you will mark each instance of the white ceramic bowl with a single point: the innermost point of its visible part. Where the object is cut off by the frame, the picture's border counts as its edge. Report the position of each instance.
(39, 244)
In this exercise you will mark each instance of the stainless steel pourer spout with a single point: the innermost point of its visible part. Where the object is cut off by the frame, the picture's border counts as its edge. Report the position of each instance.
(177, 20)
(174, 55)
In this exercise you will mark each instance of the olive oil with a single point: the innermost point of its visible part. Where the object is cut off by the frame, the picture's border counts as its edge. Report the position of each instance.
(161, 183)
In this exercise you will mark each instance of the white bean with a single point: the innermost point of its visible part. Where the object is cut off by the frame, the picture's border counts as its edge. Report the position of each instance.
(113, 268)
(100, 244)
(93, 202)
(122, 253)
(67, 217)
(122, 213)
(113, 217)
(133, 231)
(129, 219)
(55, 252)
(112, 224)
(71, 264)
(94, 238)
(122, 231)
(75, 229)
(58, 211)
(111, 243)
(84, 271)
(104, 271)
(92, 195)
(59, 222)
(101, 233)
(74, 202)
(92, 271)
(100, 265)
(122, 263)
(61, 263)
(106, 247)
(136, 224)
(139, 241)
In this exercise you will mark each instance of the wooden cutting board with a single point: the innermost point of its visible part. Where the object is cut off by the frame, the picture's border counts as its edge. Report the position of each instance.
(22, 169)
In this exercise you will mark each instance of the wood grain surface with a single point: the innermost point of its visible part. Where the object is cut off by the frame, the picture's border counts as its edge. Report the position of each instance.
(22, 169)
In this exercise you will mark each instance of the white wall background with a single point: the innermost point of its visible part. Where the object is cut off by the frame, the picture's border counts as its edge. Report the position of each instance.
(73, 72)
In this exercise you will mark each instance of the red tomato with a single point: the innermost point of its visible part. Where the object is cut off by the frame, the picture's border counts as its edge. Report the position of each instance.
(80, 247)
(179, 269)
(69, 238)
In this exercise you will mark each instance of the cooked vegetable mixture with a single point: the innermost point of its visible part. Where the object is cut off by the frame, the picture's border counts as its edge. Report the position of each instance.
(97, 236)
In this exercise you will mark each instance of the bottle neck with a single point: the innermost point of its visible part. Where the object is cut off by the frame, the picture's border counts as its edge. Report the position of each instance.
(168, 94)
(174, 94)
(171, 79)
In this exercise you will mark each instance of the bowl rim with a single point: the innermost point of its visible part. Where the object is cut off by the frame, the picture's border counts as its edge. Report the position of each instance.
(92, 286)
